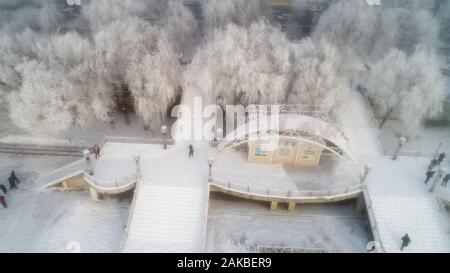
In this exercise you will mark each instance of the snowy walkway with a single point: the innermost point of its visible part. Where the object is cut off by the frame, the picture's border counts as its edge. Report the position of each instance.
(402, 204)
(170, 209)
(332, 174)
(358, 128)
(400, 201)
(171, 202)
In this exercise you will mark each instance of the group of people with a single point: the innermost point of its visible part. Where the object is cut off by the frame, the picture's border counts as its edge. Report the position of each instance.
(435, 168)
(13, 181)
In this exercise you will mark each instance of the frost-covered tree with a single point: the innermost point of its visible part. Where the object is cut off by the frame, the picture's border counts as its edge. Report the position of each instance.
(66, 69)
(121, 44)
(370, 32)
(102, 13)
(219, 13)
(178, 24)
(154, 83)
(13, 51)
(247, 66)
(40, 106)
(350, 25)
(318, 77)
(135, 56)
(409, 88)
(85, 72)
(170, 15)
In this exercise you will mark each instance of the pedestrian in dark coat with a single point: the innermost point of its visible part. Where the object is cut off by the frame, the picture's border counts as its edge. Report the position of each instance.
(433, 164)
(430, 175)
(12, 183)
(191, 151)
(445, 180)
(405, 241)
(3, 201)
(13, 175)
(3, 188)
(440, 158)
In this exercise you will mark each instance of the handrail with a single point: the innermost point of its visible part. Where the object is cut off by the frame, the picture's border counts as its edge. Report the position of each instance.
(130, 215)
(58, 174)
(106, 186)
(285, 194)
(410, 153)
(159, 141)
(372, 218)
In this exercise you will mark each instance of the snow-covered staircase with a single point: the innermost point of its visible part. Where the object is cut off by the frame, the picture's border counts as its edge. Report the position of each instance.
(359, 127)
(402, 204)
(167, 219)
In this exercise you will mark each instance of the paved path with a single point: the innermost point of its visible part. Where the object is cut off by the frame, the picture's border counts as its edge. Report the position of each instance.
(401, 202)
(171, 202)
(170, 209)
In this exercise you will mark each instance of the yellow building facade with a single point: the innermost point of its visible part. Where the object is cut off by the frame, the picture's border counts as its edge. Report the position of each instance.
(288, 152)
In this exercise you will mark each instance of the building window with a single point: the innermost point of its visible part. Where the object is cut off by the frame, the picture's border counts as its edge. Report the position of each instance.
(309, 153)
(261, 151)
(285, 152)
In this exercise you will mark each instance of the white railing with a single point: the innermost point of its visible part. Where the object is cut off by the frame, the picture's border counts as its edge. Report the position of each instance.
(116, 185)
(372, 219)
(130, 215)
(411, 153)
(65, 171)
(107, 185)
(157, 141)
(286, 194)
(299, 109)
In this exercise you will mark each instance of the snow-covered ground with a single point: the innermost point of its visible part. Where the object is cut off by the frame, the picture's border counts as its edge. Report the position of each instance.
(236, 225)
(86, 136)
(169, 213)
(402, 204)
(38, 220)
(333, 173)
(422, 143)
(117, 163)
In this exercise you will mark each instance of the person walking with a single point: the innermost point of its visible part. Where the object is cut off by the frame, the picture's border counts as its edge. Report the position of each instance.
(4, 189)
(14, 177)
(437, 178)
(96, 151)
(430, 175)
(405, 241)
(3, 201)
(432, 165)
(12, 183)
(440, 158)
(445, 180)
(191, 151)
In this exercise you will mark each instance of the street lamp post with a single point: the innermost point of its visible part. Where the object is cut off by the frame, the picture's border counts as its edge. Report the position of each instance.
(137, 159)
(210, 162)
(401, 142)
(164, 132)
